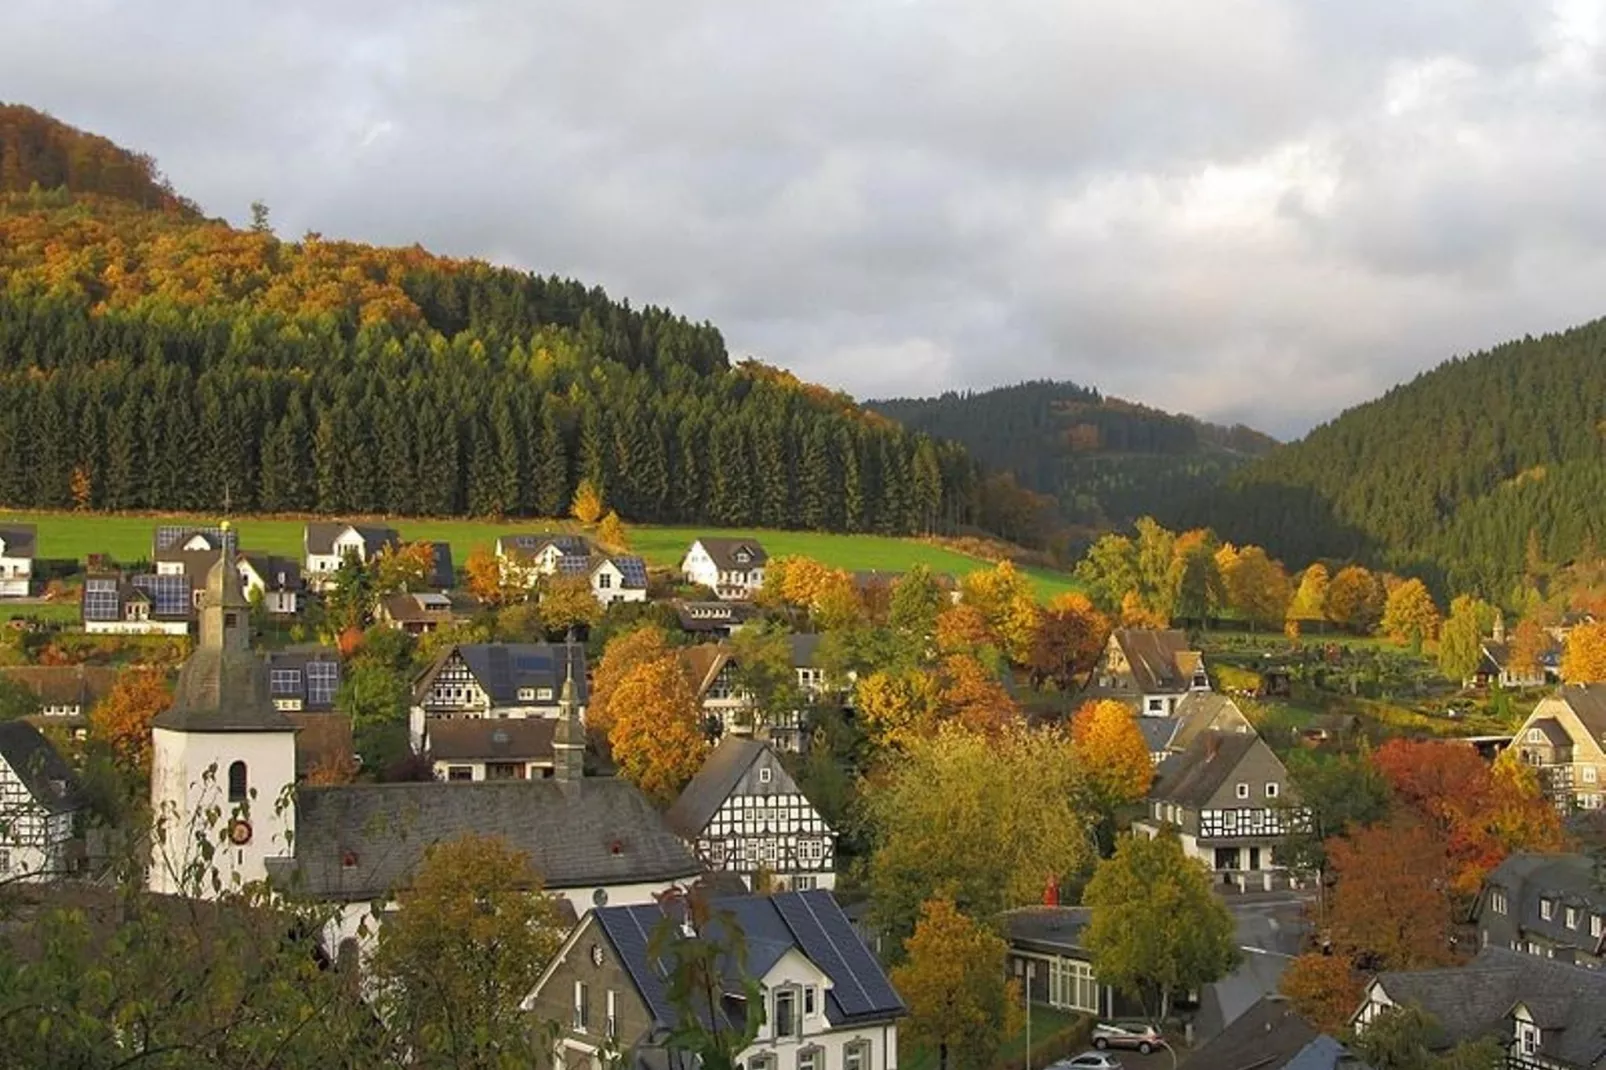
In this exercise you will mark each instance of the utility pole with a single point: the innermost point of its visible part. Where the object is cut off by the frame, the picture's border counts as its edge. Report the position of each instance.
(1028, 991)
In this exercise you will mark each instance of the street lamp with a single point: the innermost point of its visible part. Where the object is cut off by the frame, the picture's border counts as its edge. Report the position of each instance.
(1028, 1002)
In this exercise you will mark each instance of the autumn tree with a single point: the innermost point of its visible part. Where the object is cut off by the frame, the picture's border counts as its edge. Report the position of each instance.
(1335, 794)
(465, 945)
(1157, 928)
(566, 602)
(1200, 591)
(1015, 792)
(122, 720)
(611, 534)
(1109, 572)
(1461, 637)
(656, 733)
(1409, 615)
(407, 567)
(1113, 752)
(1324, 990)
(1005, 598)
(898, 708)
(964, 629)
(486, 580)
(1583, 655)
(1391, 904)
(587, 504)
(1135, 613)
(952, 979)
(972, 696)
(623, 654)
(1071, 635)
(1309, 604)
(1529, 645)
(1355, 600)
(915, 604)
(376, 698)
(1257, 587)
(1409, 1038)
(701, 969)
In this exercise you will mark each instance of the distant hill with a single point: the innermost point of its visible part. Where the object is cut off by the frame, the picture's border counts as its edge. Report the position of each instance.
(153, 359)
(1487, 467)
(1105, 460)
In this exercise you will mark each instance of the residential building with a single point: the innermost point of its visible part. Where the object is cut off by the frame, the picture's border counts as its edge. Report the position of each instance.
(1552, 905)
(39, 799)
(618, 578)
(528, 556)
(1546, 1014)
(325, 544)
(415, 613)
(66, 693)
(192, 552)
(1495, 668)
(1049, 960)
(743, 813)
(827, 1001)
(499, 680)
(715, 620)
(144, 604)
(442, 571)
(1271, 1036)
(1228, 798)
(715, 676)
(1196, 713)
(1150, 668)
(18, 544)
(467, 750)
(303, 679)
(732, 568)
(1563, 740)
(871, 581)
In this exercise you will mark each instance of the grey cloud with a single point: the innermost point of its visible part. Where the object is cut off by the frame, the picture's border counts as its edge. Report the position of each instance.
(1253, 209)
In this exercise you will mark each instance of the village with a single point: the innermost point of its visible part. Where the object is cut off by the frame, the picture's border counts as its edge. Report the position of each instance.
(891, 783)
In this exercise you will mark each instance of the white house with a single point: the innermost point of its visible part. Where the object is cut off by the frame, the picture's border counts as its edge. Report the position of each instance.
(327, 544)
(827, 1001)
(1150, 668)
(743, 813)
(38, 801)
(147, 604)
(17, 542)
(621, 578)
(527, 556)
(276, 580)
(498, 681)
(732, 568)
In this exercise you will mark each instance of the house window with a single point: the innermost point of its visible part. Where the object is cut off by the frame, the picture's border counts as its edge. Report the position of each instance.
(604, 580)
(808, 1001)
(761, 1062)
(811, 1059)
(1071, 986)
(1591, 776)
(237, 782)
(765, 775)
(5, 861)
(526, 694)
(805, 882)
(856, 1056)
(1156, 705)
(582, 1007)
(785, 1013)
(1570, 918)
(459, 772)
(1243, 791)
(1497, 900)
(1530, 1038)
(1547, 909)
(1271, 791)
(1536, 735)
(543, 694)
(612, 1028)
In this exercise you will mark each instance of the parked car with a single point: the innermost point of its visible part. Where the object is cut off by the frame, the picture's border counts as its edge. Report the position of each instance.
(1088, 1060)
(1133, 1036)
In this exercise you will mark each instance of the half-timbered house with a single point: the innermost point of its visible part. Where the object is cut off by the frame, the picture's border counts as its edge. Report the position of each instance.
(744, 814)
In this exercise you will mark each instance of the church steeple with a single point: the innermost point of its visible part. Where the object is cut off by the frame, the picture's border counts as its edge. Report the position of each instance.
(569, 741)
(225, 610)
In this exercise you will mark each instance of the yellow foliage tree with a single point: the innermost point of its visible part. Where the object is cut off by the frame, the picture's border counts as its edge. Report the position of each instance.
(898, 708)
(567, 601)
(587, 505)
(974, 697)
(1310, 601)
(406, 567)
(1409, 616)
(1583, 657)
(1134, 614)
(1005, 598)
(612, 535)
(620, 657)
(960, 1005)
(963, 629)
(485, 579)
(1257, 587)
(1112, 751)
(1529, 644)
(656, 732)
(122, 720)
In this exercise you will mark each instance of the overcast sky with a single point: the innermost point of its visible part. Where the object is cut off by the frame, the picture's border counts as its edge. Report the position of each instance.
(1258, 210)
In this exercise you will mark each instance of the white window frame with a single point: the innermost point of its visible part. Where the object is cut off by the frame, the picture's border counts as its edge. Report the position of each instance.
(582, 1007)
(793, 1018)
(611, 1024)
(1497, 900)
(1547, 909)
(1569, 917)
(765, 775)
(1597, 925)
(1590, 775)
(1243, 791)
(856, 1055)
(1271, 791)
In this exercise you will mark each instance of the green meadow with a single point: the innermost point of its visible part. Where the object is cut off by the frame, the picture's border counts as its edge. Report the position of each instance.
(127, 538)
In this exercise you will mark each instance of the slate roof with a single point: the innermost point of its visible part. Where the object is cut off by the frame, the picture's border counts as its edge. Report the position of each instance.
(41, 769)
(1202, 711)
(1055, 930)
(320, 535)
(811, 922)
(1267, 1037)
(718, 617)
(403, 607)
(599, 831)
(503, 668)
(805, 647)
(442, 574)
(528, 544)
(299, 658)
(1193, 777)
(703, 663)
(481, 739)
(1476, 1000)
(723, 551)
(65, 685)
(1324, 1053)
(707, 791)
(632, 570)
(323, 740)
(1588, 701)
(1567, 880)
(1157, 658)
(1554, 732)
(21, 540)
(1157, 732)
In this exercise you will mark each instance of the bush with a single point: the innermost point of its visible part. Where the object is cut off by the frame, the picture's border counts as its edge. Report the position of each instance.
(1060, 1044)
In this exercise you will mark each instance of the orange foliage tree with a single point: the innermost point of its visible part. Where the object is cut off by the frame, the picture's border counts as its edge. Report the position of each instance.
(1071, 634)
(973, 696)
(484, 574)
(1529, 643)
(407, 567)
(620, 657)
(1583, 657)
(656, 733)
(1391, 904)
(122, 720)
(1134, 614)
(963, 629)
(1112, 751)
(1324, 989)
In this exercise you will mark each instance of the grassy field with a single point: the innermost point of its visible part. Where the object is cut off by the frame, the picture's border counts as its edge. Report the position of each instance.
(60, 612)
(128, 538)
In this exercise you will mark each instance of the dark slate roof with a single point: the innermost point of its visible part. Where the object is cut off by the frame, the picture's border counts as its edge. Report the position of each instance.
(21, 539)
(65, 685)
(528, 544)
(442, 574)
(811, 922)
(713, 784)
(1203, 711)
(404, 607)
(503, 668)
(526, 739)
(601, 831)
(42, 771)
(723, 551)
(1157, 731)
(1194, 776)
(1554, 732)
(1567, 880)
(713, 616)
(805, 648)
(1588, 701)
(633, 569)
(1324, 1053)
(1153, 655)
(320, 536)
(1267, 1037)
(1055, 930)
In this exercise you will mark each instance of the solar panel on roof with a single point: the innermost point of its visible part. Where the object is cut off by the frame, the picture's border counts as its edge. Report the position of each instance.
(859, 985)
(170, 595)
(573, 565)
(531, 663)
(634, 570)
(323, 677)
(100, 599)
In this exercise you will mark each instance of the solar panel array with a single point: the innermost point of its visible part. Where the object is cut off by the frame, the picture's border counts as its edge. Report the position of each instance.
(860, 987)
(171, 596)
(168, 535)
(573, 565)
(100, 599)
(285, 681)
(634, 570)
(323, 677)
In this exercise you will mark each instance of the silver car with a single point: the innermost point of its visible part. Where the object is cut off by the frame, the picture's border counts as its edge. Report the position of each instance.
(1088, 1060)
(1132, 1036)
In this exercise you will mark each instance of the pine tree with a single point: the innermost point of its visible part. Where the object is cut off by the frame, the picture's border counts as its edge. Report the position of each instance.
(550, 492)
(852, 485)
(815, 479)
(926, 487)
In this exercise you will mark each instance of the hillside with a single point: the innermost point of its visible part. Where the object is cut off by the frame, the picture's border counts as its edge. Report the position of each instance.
(1105, 460)
(1483, 470)
(152, 359)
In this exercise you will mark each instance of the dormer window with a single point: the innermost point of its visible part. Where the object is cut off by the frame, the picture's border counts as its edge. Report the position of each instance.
(544, 694)
(1547, 909)
(1497, 900)
(526, 694)
(1570, 917)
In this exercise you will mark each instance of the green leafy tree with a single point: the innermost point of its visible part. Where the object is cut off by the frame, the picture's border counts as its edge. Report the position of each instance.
(700, 969)
(17, 699)
(1461, 637)
(763, 656)
(1109, 572)
(375, 697)
(1156, 927)
(952, 979)
(1406, 1038)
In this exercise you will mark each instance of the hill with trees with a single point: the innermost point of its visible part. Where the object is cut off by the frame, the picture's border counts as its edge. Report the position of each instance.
(154, 359)
(1483, 474)
(1106, 461)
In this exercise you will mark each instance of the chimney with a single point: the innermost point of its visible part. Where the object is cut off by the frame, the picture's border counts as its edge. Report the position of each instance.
(1051, 893)
(1499, 627)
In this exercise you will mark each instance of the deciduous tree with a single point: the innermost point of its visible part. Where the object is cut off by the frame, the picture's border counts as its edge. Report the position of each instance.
(566, 602)
(700, 968)
(1391, 902)
(1324, 989)
(122, 720)
(407, 567)
(1461, 638)
(1309, 605)
(1113, 752)
(763, 656)
(1156, 927)
(622, 654)
(376, 699)
(485, 580)
(916, 602)
(952, 979)
(587, 504)
(1257, 587)
(1409, 615)
(1583, 656)
(1529, 644)
(1355, 600)
(964, 629)
(1004, 596)
(1335, 795)
(611, 534)
(1109, 572)
(656, 734)
(898, 708)
(1200, 589)
(972, 696)
(17, 700)
(1071, 635)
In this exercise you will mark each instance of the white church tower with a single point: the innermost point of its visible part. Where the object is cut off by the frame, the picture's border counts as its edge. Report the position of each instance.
(223, 763)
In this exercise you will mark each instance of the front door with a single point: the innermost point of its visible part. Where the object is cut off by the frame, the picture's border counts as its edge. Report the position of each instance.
(1226, 858)
(1254, 858)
